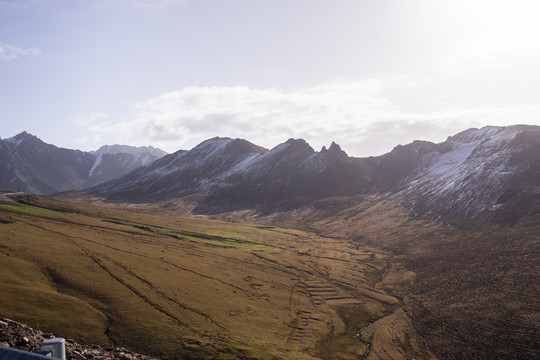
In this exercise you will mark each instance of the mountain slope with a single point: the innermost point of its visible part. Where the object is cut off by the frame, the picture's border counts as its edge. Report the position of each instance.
(289, 176)
(475, 287)
(30, 165)
(182, 173)
(235, 174)
(476, 174)
(181, 288)
(468, 174)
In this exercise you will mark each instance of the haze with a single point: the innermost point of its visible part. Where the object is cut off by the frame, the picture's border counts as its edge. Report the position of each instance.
(171, 73)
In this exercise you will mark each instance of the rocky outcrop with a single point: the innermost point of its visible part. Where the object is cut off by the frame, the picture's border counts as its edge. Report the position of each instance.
(22, 337)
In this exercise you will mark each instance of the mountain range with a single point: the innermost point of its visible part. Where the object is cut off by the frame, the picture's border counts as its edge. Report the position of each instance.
(489, 173)
(454, 225)
(30, 165)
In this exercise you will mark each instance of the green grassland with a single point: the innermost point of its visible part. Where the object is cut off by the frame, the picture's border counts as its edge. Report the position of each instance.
(178, 287)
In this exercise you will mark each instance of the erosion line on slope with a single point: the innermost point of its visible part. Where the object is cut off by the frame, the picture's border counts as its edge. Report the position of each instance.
(164, 295)
(134, 290)
(248, 293)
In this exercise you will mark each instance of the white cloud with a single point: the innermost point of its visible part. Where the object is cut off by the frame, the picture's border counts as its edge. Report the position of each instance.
(10, 52)
(361, 116)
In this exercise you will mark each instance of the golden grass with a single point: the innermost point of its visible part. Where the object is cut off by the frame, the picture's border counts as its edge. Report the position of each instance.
(177, 287)
(28, 294)
(394, 337)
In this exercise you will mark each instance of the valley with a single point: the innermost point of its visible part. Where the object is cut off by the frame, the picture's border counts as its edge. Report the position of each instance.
(177, 287)
(475, 287)
(230, 250)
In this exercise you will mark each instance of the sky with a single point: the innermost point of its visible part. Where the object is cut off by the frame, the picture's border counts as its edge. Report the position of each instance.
(368, 75)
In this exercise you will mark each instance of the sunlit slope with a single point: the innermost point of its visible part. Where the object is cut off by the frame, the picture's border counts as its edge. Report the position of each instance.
(190, 288)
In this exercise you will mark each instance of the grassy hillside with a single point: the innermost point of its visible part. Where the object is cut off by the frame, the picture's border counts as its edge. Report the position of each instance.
(476, 289)
(193, 288)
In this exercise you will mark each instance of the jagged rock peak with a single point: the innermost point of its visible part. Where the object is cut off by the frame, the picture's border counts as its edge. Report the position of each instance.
(416, 147)
(334, 150)
(27, 139)
(293, 145)
(293, 141)
(127, 149)
(23, 136)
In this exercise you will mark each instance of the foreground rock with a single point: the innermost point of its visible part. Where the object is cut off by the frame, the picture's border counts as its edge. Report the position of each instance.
(19, 336)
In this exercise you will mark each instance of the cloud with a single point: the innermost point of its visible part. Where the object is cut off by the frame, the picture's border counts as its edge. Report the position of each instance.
(10, 52)
(267, 116)
(360, 115)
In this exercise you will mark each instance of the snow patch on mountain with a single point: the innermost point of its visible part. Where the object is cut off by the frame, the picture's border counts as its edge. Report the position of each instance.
(18, 139)
(15, 141)
(242, 165)
(285, 155)
(99, 158)
(121, 159)
(467, 175)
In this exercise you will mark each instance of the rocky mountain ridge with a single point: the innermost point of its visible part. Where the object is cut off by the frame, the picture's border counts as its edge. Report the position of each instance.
(491, 173)
(127, 149)
(470, 175)
(28, 164)
(234, 174)
(469, 172)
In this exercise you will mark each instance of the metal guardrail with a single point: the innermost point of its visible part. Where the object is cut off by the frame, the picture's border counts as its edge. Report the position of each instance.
(7, 353)
(53, 348)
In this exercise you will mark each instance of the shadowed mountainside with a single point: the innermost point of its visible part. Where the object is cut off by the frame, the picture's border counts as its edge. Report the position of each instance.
(489, 173)
(30, 165)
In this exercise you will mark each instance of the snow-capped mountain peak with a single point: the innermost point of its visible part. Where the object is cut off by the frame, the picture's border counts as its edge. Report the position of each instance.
(21, 137)
(467, 174)
(127, 149)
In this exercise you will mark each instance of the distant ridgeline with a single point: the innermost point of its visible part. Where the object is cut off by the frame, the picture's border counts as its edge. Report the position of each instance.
(489, 173)
(27, 164)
